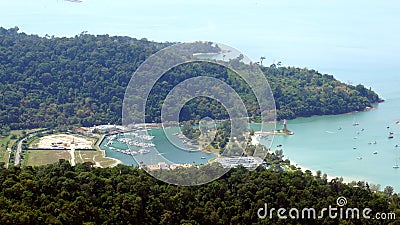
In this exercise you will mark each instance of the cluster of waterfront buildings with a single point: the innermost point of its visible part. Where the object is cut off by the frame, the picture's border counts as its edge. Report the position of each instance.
(247, 162)
(226, 162)
(165, 166)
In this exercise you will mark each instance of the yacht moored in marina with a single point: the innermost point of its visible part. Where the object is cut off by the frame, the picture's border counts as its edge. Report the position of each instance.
(143, 151)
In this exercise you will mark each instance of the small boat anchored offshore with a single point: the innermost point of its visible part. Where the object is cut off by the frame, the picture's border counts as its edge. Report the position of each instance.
(396, 166)
(375, 152)
(355, 123)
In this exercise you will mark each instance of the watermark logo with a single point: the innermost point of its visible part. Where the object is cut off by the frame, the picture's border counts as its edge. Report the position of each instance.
(333, 212)
(156, 66)
(341, 201)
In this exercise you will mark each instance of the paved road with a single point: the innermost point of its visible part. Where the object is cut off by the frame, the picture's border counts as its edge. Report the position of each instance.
(17, 154)
(72, 152)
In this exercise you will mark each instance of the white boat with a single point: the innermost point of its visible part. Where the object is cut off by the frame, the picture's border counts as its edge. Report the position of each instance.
(143, 151)
(203, 157)
(359, 158)
(396, 166)
(133, 152)
(375, 152)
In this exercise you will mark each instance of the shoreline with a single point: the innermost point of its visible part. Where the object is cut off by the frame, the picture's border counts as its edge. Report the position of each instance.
(314, 172)
(303, 169)
(367, 109)
(255, 141)
(117, 161)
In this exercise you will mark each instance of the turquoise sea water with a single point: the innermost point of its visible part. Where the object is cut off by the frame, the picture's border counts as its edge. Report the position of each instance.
(332, 144)
(320, 144)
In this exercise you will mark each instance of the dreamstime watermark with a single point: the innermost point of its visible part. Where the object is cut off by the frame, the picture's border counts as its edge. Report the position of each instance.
(333, 212)
(158, 65)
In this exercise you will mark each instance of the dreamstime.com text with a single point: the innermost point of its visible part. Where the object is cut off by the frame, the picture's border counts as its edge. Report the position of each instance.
(332, 212)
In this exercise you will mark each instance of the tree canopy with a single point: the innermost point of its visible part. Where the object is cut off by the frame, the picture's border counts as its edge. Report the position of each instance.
(82, 194)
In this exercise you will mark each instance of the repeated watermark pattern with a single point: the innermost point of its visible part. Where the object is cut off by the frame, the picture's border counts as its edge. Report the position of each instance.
(158, 65)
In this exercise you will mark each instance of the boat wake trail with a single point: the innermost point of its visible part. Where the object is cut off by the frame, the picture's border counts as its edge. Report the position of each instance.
(330, 132)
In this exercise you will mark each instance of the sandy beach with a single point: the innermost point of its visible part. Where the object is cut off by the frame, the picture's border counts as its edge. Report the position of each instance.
(314, 172)
(254, 140)
(117, 161)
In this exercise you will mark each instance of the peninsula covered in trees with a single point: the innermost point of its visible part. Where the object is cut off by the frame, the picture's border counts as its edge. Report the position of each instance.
(48, 81)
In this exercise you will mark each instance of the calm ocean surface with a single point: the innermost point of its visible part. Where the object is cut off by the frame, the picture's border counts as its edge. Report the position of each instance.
(332, 144)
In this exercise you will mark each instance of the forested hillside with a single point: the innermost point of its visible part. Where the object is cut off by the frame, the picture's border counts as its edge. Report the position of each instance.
(302, 92)
(62, 194)
(52, 81)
